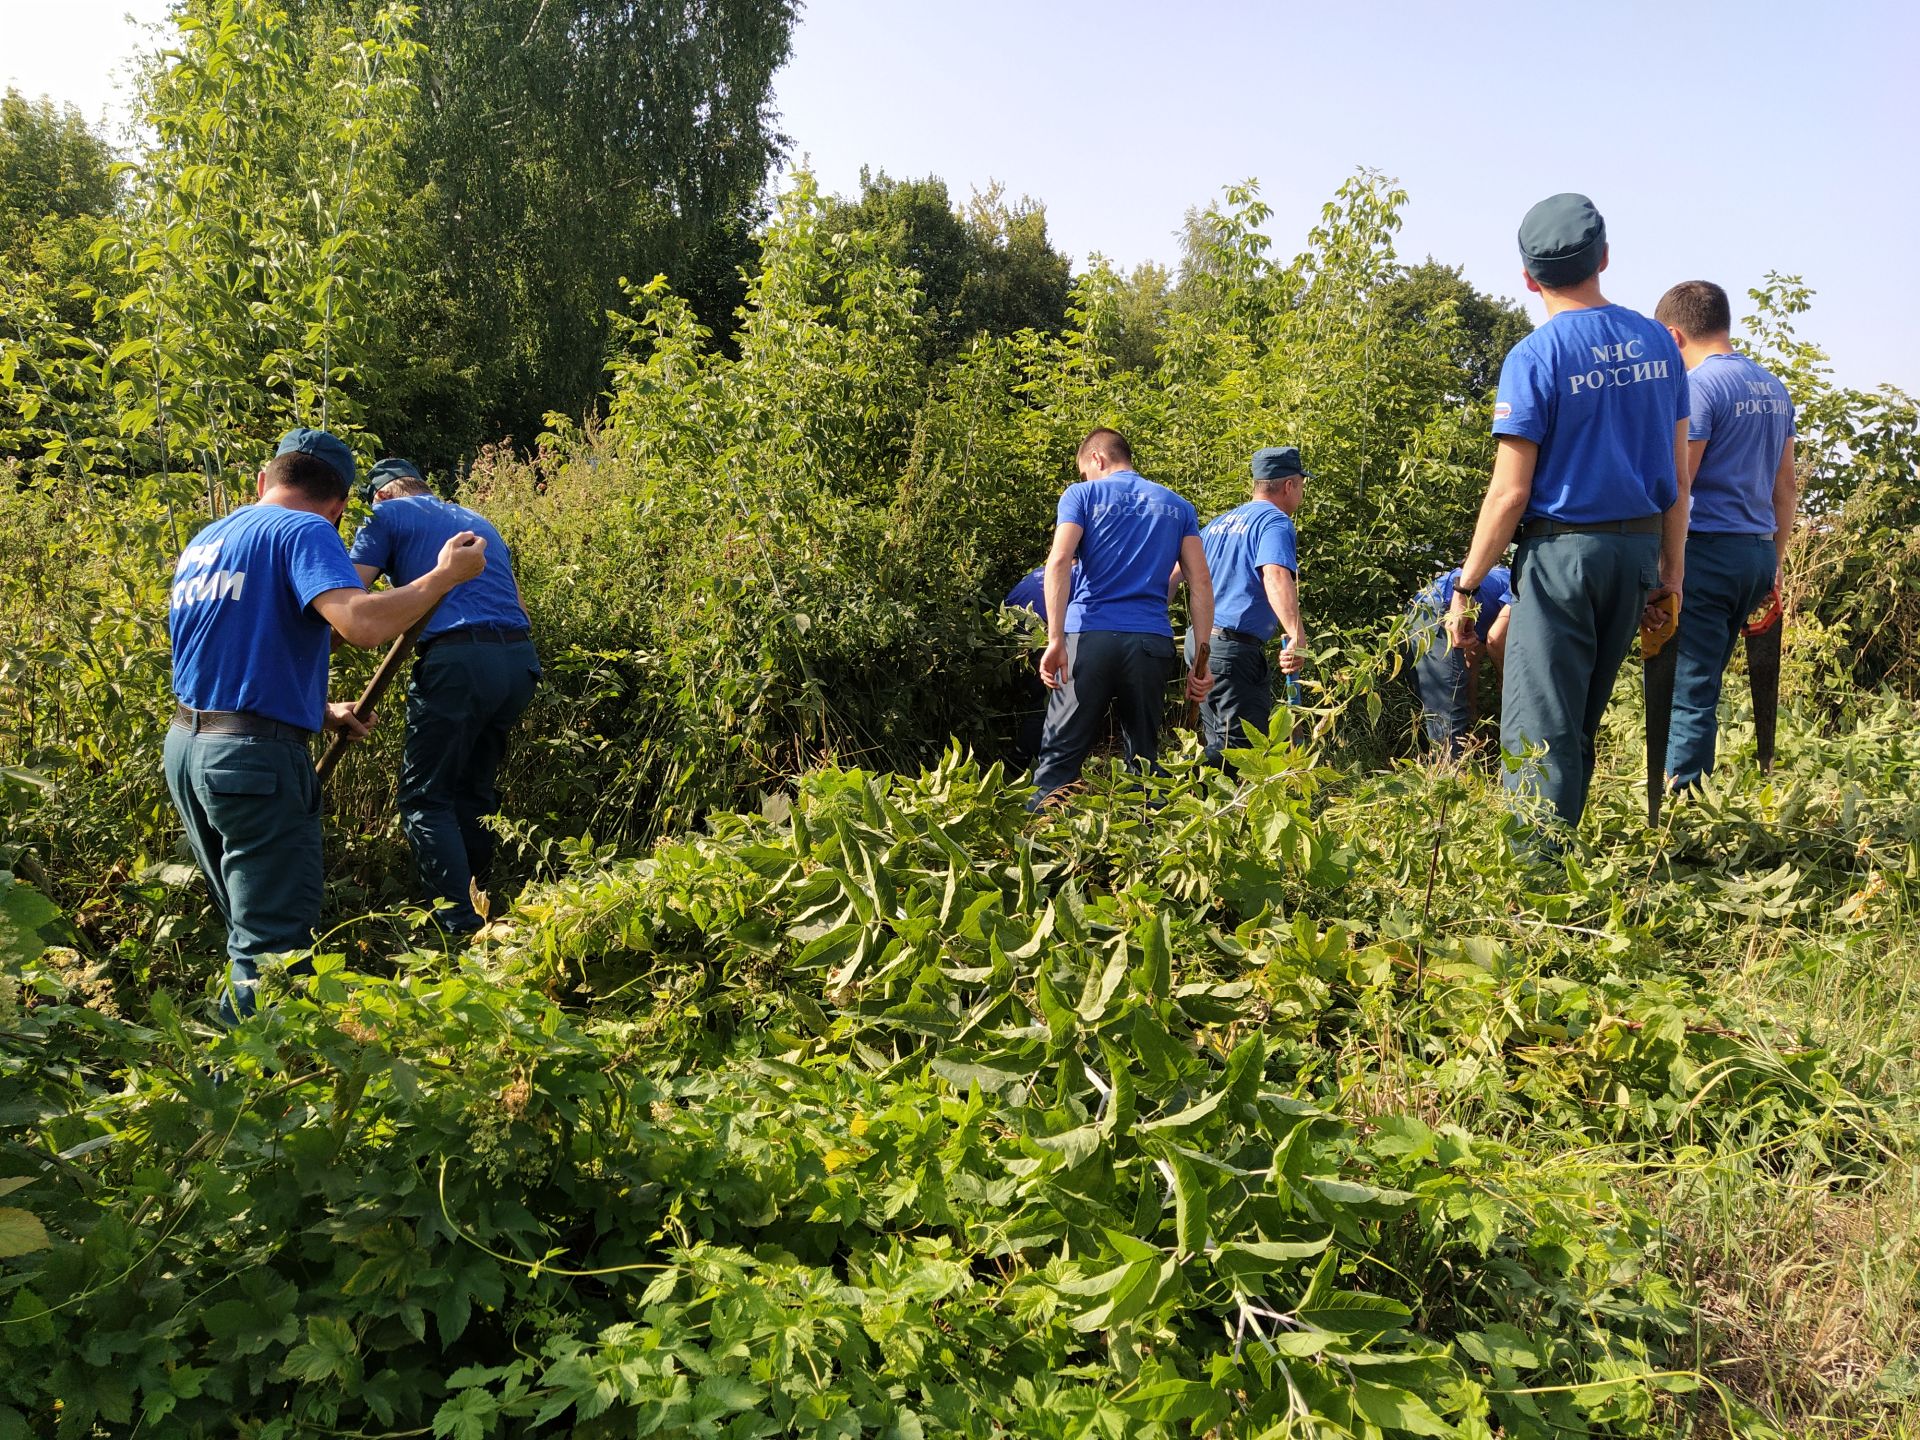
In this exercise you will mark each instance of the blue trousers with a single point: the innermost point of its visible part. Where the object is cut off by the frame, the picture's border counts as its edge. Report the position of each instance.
(1577, 601)
(1441, 676)
(462, 701)
(1728, 577)
(1242, 693)
(1105, 668)
(251, 807)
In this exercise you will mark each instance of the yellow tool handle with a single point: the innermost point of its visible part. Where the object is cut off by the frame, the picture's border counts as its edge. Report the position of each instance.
(1653, 637)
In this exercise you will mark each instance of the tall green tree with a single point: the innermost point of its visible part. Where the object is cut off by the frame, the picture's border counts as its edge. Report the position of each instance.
(558, 147)
(57, 193)
(986, 269)
(52, 166)
(1478, 328)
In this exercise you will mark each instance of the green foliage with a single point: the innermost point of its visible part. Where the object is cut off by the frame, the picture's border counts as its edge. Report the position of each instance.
(51, 165)
(1855, 566)
(988, 270)
(552, 149)
(899, 1112)
(232, 299)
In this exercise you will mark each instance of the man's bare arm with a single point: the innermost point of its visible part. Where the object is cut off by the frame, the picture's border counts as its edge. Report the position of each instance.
(1673, 529)
(1786, 502)
(1193, 564)
(1500, 512)
(1058, 588)
(1283, 595)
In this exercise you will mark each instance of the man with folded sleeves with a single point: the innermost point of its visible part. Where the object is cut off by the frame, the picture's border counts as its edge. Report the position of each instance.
(257, 599)
(1109, 638)
(473, 679)
(1253, 556)
(1744, 495)
(1591, 418)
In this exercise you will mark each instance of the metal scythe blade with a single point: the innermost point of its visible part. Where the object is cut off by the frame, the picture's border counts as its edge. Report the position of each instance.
(1658, 661)
(1763, 632)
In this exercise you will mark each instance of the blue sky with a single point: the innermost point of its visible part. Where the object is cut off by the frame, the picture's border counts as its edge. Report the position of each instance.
(1720, 140)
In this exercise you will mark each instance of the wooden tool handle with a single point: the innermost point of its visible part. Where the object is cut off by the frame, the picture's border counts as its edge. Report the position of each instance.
(383, 677)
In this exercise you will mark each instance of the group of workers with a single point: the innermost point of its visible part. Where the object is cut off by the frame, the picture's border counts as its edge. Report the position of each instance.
(1638, 461)
(259, 600)
(1635, 456)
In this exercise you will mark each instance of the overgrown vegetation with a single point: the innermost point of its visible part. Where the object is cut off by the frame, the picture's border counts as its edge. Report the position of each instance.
(810, 1087)
(893, 1111)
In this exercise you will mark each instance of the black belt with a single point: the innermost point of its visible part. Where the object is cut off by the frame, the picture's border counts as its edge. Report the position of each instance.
(1245, 637)
(236, 722)
(476, 635)
(1541, 529)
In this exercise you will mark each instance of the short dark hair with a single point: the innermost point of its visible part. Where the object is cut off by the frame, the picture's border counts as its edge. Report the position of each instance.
(1698, 309)
(1110, 443)
(307, 475)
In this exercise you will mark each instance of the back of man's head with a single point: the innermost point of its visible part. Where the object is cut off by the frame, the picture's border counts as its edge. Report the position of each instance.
(1108, 445)
(1698, 309)
(1563, 241)
(305, 475)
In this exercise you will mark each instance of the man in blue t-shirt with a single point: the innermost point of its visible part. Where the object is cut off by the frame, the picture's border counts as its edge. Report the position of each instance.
(1253, 556)
(1740, 440)
(1591, 419)
(1446, 672)
(473, 679)
(1109, 639)
(256, 602)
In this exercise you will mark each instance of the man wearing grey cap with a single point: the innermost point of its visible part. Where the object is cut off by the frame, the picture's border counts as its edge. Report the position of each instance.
(1253, 556)
(257, 599)
(1591, 417)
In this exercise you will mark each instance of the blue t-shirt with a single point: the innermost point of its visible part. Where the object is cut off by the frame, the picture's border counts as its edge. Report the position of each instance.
(243, 637)
(1238, 544)
(1133, 529)
(1029, 592)
(402, 539)
(1745, 417)
(1494, 595)
(1599, 391)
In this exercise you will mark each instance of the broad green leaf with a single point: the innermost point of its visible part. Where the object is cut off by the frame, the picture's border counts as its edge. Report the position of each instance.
(1392, 1408)
(1190, 1217)
(1354, 1312)
(24, 912)
(469, 1415)
(1244, 1260)
(1184, 1119)
(21, 1233)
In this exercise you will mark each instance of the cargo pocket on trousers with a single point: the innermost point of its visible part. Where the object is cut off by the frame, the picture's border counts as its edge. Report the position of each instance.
(240, 782)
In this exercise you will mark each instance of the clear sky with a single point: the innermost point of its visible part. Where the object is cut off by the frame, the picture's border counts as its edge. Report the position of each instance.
(1720, 140)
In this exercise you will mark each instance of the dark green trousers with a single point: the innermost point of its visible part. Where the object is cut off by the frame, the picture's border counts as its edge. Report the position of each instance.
(251, 807)
(1577, 601)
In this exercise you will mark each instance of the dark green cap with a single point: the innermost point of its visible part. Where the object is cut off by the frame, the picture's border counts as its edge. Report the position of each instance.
(322, 446)
(385, 473)
(1279, 462)
(1562, 239)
